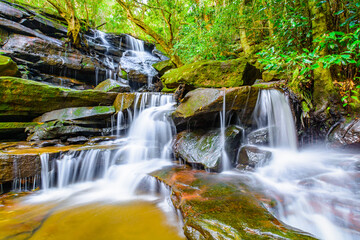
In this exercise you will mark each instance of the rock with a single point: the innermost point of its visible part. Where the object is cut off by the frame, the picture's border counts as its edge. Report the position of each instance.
(269, 76)
(4, 36)
(346, 135)
(14, 130)
(54, 59)
(212, 74)
(203, 148)
(77, 140)
(201, 106)
(18, 28)
(10, 12)
(252, 157)
(8, 67)
(79, 113)
(110, 85)
(25, 99)
(59, 129)
(137, 77)
(163, 67)
(217, 206)
(259, 137)
(124, 101)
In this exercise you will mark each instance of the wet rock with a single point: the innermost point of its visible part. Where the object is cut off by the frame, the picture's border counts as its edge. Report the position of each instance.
(25, 99)
(14, 166)
(62, 81)
(110, 85)
(251, 157)
(259, 137)
(61, 129)
(77, 140)
(212, 74)
(346, 135)
(11, 12)
(137, 77)
(79, 113)
(203, 148)
(201, 106)
(124, 101)
(163, 67)
(54, 59)
(8, 67)
(4, 36)
(18, 28)
(221, 207)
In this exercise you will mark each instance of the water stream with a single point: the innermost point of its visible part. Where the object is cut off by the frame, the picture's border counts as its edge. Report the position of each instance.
(316, 190)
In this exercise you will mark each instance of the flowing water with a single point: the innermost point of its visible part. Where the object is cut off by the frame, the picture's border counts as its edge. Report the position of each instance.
(316, 190)
(105, 184)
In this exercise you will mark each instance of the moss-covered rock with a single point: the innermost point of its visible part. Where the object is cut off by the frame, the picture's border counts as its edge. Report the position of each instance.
(77, 113)
(203, 148)
(221, 207)
(110, 85)
(8, 67)
(28, 99)
(203, 104)
(124, 101)
(212, 74)
(164, 66)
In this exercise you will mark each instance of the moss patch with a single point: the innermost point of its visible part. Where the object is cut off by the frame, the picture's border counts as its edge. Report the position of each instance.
(212, 74)
(8, 67)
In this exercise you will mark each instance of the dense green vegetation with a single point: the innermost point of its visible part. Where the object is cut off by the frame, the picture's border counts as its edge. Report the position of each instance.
(314, 44)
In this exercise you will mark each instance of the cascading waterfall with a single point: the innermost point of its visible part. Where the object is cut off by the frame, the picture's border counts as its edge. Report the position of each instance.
(138, 59)
(315, 190)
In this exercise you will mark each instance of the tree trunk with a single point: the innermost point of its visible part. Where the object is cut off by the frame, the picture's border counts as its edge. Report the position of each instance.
(243, 38)
(166, 45)
(323, 84)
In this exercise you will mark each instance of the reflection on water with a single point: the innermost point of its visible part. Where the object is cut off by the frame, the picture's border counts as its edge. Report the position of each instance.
(136, 220)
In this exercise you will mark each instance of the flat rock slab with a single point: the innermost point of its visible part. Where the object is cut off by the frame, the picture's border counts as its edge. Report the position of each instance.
(110, 85)
(221, 207)
(79, 113)
(25, 98)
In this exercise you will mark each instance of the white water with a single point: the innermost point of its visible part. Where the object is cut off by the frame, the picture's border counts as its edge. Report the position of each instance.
(136, 58)
(122, 170)
(226, 165)
(316, 190)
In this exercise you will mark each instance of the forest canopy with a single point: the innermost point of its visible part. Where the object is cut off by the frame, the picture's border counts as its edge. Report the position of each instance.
(314, 44)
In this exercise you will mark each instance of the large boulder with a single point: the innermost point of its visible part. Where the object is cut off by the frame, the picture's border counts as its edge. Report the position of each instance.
(98, 112)
(212, 74)
(124, 101)
(217, 206)
(25, 99)
(110, 85)
(346, 135)
(8, 67)
(203, 148)
(201, 106)
(259, 137)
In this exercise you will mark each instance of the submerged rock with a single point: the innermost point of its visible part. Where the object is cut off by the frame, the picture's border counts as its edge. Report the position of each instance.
(212, 74)
(110, 85)
(201, 106)
(25, 99)
(203, 148)
(8, 67)
(251, 157)
(217, 206)
(77, 113)
(346, 135)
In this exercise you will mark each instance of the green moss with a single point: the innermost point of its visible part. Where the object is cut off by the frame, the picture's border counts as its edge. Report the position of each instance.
(22, 97)
(211, 73)
(168, 90)
(8, 67)
(164, 66)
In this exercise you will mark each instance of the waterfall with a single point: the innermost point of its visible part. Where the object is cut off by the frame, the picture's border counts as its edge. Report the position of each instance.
(115, 174)
(315, 190)
(273, 112)
(226, 165)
